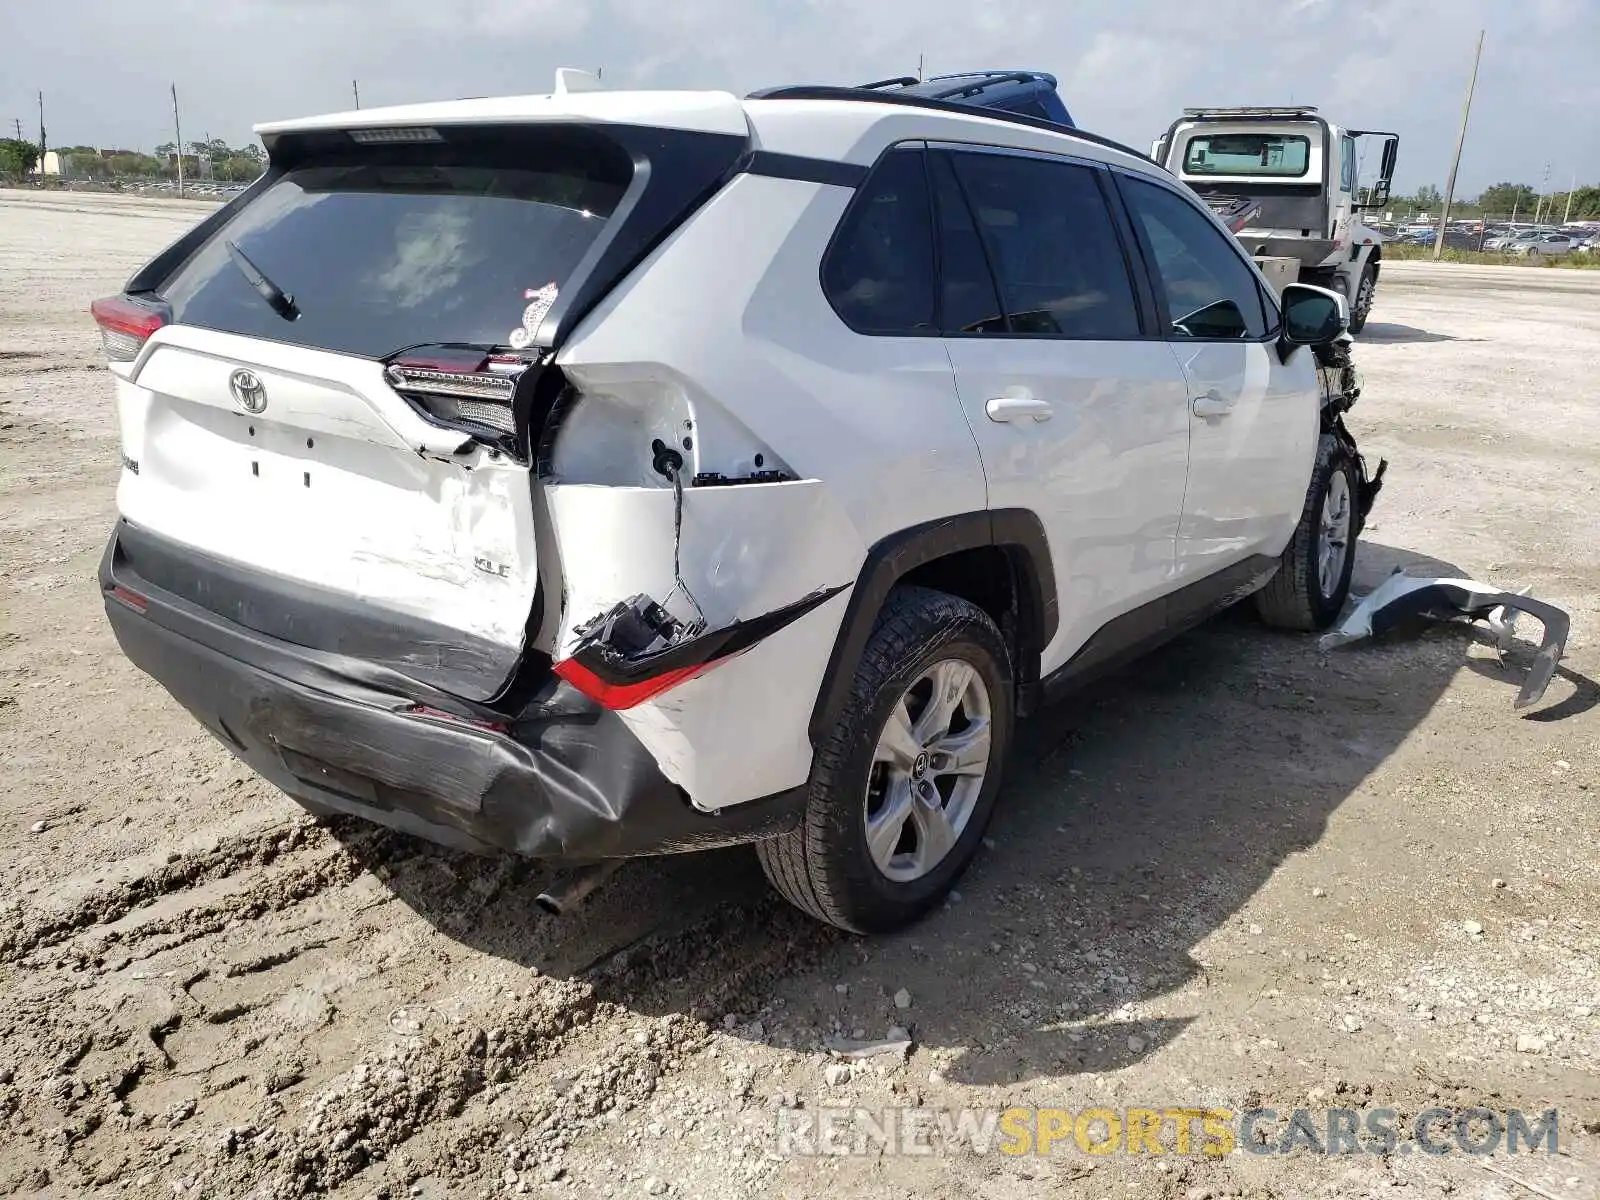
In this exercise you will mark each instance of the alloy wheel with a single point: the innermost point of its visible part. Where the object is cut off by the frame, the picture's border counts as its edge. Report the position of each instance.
(928, 770)
(1333, 533)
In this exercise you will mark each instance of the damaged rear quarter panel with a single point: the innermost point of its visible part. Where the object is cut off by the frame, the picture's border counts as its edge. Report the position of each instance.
(726, 325)
(739, 731)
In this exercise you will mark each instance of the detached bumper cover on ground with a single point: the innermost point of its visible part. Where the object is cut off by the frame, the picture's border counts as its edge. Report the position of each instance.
(564, 780)
(1406, 596)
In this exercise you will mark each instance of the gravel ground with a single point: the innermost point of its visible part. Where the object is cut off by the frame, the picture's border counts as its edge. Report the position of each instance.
(1246, 873)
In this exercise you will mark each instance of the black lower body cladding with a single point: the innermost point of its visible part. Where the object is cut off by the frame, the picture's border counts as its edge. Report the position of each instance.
(564, 780)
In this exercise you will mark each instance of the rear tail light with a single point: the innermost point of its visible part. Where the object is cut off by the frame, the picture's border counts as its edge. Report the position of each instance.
(617, 696)
(460, 392)
(125, 325)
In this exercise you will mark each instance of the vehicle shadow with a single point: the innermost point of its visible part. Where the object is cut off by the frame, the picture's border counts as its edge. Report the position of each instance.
(1382, 333)
(1136, 820)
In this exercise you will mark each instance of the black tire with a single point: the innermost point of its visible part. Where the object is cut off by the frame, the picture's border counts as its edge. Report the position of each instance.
(824, 867)
(1361, 302)
(1296, 598)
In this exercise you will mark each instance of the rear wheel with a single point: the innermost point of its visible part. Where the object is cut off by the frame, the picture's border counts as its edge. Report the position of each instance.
(1313, 579)
(904, 784)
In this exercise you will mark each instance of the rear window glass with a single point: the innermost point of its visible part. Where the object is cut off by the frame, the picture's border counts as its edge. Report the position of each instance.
(1247, 154)
(385, 247)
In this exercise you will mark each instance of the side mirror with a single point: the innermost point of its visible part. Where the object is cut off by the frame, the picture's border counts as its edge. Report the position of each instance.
(1312, 316)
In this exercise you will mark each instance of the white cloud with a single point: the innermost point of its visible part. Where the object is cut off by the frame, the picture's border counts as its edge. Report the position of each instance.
(1126, 69)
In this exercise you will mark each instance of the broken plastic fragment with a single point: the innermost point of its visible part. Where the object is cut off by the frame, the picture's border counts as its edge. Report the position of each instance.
(852, 1050)
(1401, 596)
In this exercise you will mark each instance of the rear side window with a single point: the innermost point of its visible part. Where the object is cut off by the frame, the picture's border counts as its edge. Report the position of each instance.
(1211, 293)
(878, 274)
(389, 246)
(1053, 246)
(969, 302)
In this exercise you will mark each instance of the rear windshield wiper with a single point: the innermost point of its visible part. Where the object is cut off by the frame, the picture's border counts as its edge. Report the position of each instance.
(282, 303)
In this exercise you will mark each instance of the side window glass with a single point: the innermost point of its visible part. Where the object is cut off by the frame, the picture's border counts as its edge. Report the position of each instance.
(1347, 166)
(878, 274)
(1053, 246)
(1210, 291)
(968, 300)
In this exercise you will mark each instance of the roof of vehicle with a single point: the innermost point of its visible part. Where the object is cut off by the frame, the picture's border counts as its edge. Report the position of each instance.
(817, 122)
(706, 112)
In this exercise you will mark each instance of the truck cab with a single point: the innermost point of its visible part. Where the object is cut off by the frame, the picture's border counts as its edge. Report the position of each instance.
(1286, 182)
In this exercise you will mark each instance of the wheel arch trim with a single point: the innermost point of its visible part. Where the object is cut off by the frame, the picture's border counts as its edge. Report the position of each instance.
(1015, 530)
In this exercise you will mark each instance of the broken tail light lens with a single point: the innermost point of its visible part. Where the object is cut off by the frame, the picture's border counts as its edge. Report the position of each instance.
(618, 696)
(125, 325)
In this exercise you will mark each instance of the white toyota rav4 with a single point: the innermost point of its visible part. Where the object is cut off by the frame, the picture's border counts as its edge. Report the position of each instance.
(603, 474)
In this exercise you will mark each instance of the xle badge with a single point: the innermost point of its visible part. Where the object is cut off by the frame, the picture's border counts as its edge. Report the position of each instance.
(490, 567)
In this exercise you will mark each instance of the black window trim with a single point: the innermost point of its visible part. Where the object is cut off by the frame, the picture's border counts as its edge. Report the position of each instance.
(1147, 254)
(1145, 295)
(1143, 300)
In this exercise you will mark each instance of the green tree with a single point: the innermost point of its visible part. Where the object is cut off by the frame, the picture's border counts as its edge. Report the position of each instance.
(17, 157)
(1428, 198)
(134, 164)
(1585, 203)
(1505, 198)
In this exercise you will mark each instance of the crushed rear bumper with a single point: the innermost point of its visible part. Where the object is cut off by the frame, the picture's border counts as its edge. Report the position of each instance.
(562, 779)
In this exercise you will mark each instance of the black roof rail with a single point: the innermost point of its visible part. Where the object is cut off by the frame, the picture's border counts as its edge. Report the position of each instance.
(979, 80)
(831, 92)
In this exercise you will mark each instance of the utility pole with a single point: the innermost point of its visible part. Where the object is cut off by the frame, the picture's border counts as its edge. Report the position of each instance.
(1572, 187)
(41, 133)
(18, 121)
(355, 89)
(178, 130)
(1544, 187)
(1450, 185)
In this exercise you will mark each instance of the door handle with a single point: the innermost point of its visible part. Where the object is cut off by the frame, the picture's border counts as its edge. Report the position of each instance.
(1017, 408)
(1212, 404)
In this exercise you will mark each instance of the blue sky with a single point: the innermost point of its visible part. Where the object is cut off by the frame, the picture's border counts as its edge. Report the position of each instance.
(1127, 68)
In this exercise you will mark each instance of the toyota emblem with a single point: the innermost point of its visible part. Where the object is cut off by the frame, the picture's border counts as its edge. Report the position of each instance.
(248, 390)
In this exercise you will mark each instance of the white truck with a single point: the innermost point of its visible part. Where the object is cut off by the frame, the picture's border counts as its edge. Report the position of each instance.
(1284, 180)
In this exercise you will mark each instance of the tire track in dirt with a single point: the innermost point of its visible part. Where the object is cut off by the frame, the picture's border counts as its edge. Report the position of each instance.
(444, 1086)
(28, 930)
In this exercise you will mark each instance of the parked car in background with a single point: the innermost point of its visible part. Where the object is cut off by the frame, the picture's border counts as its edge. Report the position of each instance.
(1542, 245)
(1507, 243)
(1454, 239)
